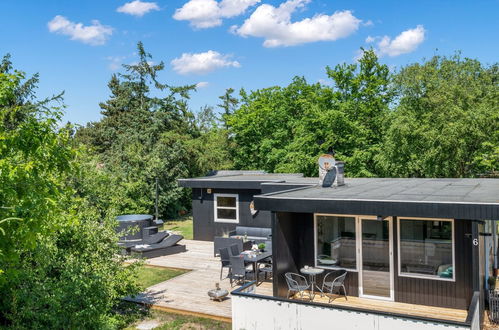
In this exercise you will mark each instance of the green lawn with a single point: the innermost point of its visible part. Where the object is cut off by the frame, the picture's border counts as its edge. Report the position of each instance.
(135, 315)
(182, 225)
(153, 275)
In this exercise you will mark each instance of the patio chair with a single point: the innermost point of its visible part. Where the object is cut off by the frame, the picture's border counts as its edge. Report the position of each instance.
(297, 283)
(238, 271)
(224, 259)
(235, 250)
(336, 284)
(267, 267)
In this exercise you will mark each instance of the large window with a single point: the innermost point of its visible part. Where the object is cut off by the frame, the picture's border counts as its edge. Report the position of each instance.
(226, 208)
(426, 248)
(335, 242)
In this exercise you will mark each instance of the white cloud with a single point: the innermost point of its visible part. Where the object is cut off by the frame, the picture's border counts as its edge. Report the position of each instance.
(94, 34)
(202, 84)
(137, 8)
(404, 43)
(204, 14)
(370, 39)
(115, 62)
(274, 24)
(202, 63)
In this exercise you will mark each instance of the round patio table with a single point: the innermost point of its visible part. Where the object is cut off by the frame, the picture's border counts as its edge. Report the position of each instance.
(312, 272)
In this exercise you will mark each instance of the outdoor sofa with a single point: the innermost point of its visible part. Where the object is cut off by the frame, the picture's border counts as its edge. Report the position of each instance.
(256, 234)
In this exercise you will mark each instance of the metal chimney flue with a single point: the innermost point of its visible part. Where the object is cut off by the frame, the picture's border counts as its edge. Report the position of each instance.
(331, 171)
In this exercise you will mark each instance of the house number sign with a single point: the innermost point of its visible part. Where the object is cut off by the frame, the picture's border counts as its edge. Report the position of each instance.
(475, 241)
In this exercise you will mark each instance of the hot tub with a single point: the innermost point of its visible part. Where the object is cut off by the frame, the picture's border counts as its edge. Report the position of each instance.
(130, 220)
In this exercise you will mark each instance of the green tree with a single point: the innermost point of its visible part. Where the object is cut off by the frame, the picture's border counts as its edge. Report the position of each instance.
(212, 147)
(142, 137)
(59, 258)
(285, 129)
(446, 121)
(228, 105)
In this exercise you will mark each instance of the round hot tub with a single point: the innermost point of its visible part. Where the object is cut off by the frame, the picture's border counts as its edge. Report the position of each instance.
(130, 220)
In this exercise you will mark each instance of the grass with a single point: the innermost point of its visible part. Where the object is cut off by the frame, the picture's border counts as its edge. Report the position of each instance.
(138, 314)
(182, 225)
(148, 275)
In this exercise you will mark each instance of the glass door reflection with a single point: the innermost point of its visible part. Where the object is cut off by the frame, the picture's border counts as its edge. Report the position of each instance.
(376, 258)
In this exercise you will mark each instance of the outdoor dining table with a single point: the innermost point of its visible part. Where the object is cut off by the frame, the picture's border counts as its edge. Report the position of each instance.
(312, 272)
(255, 259)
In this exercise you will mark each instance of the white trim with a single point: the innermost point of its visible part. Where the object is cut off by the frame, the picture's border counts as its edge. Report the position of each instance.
(216, 207)
(422, 276)
(390, 256)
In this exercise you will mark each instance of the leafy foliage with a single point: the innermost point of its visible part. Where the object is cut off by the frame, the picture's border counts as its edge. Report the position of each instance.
(286, 129)
(142, 137)
(58, 257)
(446, 122)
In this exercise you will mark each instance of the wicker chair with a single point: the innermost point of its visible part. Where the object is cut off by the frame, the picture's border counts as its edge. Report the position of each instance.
(297, 283)
(225, 260)
(238, 271)
(336, 284)
(235, 250)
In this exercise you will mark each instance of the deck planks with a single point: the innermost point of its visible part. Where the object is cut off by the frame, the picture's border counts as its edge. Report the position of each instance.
(450, 314)
(188, 292)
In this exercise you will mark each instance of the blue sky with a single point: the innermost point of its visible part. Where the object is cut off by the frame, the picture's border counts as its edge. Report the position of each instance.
(230, 43)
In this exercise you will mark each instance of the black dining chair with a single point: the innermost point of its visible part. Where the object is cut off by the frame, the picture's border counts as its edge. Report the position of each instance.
(267, 267)
(224, 259)
(333, 283)
(235, 250)
(238, 271)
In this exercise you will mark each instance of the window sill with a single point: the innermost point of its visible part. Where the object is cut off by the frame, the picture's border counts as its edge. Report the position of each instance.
(226, 221)
(427, 277)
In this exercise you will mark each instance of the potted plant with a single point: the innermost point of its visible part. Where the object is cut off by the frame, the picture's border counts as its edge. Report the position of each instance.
(261, 247)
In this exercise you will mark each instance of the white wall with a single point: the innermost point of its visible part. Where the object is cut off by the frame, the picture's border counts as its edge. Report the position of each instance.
(251, 313)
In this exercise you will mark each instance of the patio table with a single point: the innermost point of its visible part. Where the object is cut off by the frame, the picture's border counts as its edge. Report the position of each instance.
(255, 259)
(312, 272)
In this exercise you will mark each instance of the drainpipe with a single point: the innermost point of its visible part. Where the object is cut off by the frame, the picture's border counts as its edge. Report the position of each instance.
(494, 246)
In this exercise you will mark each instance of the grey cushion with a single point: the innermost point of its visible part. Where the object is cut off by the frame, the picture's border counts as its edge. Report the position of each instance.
(167, 242)
(253, 231)
(156, 238)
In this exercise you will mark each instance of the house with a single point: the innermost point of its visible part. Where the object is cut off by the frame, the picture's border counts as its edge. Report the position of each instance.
(418, 253)
(223, 200)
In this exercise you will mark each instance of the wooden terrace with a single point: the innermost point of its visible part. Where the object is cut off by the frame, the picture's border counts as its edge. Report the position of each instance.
(187, 293)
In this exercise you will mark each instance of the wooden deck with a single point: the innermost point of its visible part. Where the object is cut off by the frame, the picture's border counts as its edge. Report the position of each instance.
(450, 314)
(187, 293)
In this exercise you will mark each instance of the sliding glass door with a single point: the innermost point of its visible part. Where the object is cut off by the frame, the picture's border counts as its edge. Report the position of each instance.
(376, 261)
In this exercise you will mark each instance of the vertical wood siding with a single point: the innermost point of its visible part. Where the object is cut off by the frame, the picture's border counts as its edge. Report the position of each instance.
(293, 244)
(440, 293)
(204, 226)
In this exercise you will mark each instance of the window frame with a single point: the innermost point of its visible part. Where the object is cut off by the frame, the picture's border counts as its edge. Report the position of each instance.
(422, 276)
(216, 207)
(356, 269)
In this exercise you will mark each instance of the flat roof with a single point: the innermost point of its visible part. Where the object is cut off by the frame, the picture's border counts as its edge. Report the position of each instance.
(244, 180)
(476, 199)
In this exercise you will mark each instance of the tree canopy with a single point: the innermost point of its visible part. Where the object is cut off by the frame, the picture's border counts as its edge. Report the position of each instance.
(59, 263)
